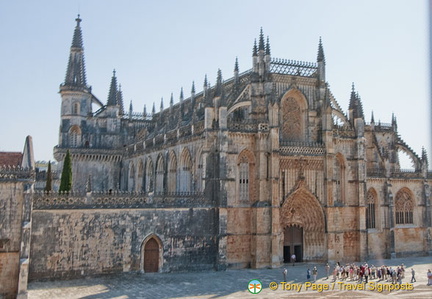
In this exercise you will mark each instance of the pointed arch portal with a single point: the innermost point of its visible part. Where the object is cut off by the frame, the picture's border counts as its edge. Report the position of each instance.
(151, 254)
(302, 219)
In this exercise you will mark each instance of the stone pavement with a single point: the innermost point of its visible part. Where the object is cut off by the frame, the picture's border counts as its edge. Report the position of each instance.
(228, 284)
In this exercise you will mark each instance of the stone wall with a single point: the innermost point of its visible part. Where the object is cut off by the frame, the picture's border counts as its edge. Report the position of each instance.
(11, 207)
(76, 242)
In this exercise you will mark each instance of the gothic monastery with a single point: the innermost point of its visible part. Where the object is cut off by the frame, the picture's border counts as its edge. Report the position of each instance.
(244, 173)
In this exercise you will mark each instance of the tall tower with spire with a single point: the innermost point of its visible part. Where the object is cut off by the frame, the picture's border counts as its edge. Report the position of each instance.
(75, 95)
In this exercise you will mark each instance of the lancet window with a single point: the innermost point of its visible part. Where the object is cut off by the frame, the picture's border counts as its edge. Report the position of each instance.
(75, 136)
(172, 173)
(404, 207)
(185, 172)
(149, 176)
(339, 179)
(159, 175)
(371, 208)
(244, 179)
(292, 116)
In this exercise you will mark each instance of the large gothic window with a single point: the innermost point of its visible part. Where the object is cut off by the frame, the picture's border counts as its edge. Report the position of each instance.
(131, 177)
(75, 136)
(199, 174)
(339, 180)
(292, 117)
(140, 175)
(172, 173)
(371, 208)
(185, 172)
(244, 179)
(149, 176)
(404, 207)
(159, 175)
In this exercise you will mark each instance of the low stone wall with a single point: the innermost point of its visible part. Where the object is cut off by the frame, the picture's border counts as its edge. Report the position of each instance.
(81, 241)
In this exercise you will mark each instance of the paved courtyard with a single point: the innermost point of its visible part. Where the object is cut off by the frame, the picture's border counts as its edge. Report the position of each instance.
(232, 284)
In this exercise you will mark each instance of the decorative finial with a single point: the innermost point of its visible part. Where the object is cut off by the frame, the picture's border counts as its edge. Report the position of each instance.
(255, 49)
(268, 46)
(181, 95)
(261, 40)
(193, 87)
(320, 57)
(78, 20)
(236, 66)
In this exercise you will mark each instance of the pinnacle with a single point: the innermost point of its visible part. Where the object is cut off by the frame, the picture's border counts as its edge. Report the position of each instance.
(261, 40)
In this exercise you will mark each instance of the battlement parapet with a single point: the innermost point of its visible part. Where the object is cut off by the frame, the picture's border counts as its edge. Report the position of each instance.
(118, 200)
(13, 173)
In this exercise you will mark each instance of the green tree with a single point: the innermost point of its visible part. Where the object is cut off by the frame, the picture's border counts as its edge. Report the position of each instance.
(66, 177)
(48, 186)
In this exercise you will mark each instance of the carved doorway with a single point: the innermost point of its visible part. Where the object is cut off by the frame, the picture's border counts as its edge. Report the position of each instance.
(293, 243)
(151, 256)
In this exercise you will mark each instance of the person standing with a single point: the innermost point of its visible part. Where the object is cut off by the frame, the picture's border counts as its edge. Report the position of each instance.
(293, 259)
(285, 272)
(308, 274)
(314, 273)
(327, 270)
(429, 277)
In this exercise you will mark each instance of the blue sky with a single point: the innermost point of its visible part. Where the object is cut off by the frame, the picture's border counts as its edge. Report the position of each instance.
(157, 47)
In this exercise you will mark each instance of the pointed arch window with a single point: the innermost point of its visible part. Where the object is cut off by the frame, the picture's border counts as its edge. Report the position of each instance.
(200, 174)
(140, 175)
(293, 120)
(132, 177)
(75, 136)
(244, 179)
(172, 173)
(404, 207)
(371, 208)
(159, 175)
(339, 180)
(186, 172)
(149, 176)
(76, 108)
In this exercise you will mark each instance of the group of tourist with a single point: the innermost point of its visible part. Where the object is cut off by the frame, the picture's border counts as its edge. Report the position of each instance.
(364, 273)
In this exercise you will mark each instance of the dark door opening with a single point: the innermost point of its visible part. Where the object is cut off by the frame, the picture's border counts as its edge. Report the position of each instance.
(293, 243)
(287, 254)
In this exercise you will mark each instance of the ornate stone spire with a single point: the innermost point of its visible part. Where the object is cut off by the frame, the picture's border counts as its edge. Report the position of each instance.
(218, 88)
(255, 49)
(320, 56)
(112, 95)
(355, 105)
(181, 95)
(161, 105)
(130, 110)
(261, 41)
(75, 73)
(268, 46)
(120, 100)
(193, 88)
(236, 66)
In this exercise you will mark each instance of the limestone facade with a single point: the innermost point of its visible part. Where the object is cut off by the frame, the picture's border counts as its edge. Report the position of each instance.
(244, 173)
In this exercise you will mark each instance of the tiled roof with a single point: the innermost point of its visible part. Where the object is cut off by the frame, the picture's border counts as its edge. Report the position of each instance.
(10, 158)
